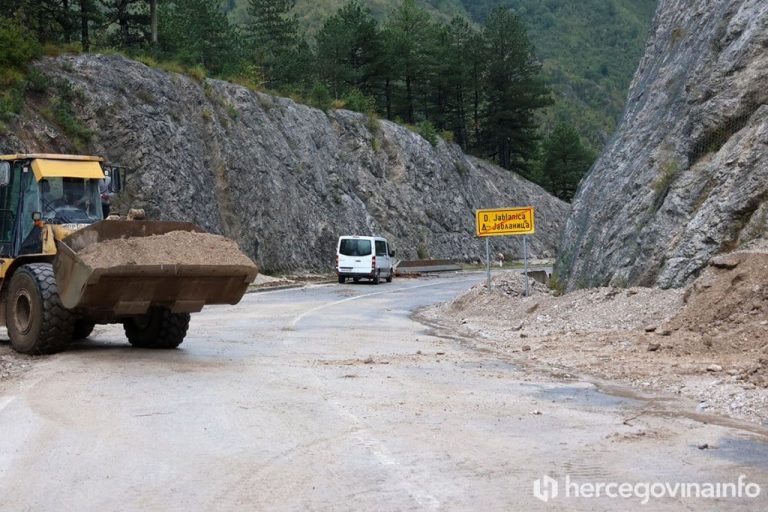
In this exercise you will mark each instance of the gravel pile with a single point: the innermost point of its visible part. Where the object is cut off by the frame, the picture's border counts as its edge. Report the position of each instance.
(542, 313)
(708, 342)
(174, 248)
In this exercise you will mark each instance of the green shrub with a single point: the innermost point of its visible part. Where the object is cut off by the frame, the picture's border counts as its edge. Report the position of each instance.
(19, 46)
(668, 172)
(422, 252)
(428, 131)
(37, 81)
(373, 123)
(359, 102)
(320, 96)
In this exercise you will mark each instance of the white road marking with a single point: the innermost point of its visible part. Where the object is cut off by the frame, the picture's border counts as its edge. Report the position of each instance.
(363, 435)
(336, 303)
(5, 402)
(385, 458)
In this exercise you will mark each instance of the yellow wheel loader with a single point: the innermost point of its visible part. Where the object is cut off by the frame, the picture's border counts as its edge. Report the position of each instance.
(50, 210)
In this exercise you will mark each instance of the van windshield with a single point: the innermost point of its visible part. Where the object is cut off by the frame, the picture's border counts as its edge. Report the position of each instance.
(352, 247)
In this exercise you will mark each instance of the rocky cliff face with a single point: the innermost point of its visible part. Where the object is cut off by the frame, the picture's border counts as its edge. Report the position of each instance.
(282, 179)
(686, 175)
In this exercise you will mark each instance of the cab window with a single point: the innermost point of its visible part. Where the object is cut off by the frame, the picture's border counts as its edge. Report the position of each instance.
(381, 248)
(9, 201)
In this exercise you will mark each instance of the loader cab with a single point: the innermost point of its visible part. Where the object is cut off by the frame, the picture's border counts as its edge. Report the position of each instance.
(45, 189)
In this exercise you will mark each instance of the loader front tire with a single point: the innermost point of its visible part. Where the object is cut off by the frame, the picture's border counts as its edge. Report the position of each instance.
(37, 321)
(157, 329)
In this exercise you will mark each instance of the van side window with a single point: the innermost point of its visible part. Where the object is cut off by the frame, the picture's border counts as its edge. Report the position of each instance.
(381, 248)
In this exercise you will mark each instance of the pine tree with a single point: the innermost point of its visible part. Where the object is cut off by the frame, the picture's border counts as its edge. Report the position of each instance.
(514, 91)
(348, 48)
(411, 37)
(197, 32)
(565, 161)
(132, 19)
(49, 20)
(460, 66)
(272, 34)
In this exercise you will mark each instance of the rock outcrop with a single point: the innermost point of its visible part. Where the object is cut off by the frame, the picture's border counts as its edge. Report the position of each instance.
(686, 175)
(283, 179)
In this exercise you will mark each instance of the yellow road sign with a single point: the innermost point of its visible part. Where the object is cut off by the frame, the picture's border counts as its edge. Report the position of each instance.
(504, 221)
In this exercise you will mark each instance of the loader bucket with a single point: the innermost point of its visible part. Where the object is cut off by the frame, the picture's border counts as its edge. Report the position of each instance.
(129, 290)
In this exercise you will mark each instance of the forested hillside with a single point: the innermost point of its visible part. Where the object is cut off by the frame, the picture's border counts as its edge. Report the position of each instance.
(589, 49)
(480, 84)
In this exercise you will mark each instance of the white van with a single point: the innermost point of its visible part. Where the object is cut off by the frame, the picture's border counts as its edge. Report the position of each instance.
(367, 257)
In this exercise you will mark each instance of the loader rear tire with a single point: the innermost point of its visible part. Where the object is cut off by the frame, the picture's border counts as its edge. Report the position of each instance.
(37, 321)
(83, 329)
(157, 329)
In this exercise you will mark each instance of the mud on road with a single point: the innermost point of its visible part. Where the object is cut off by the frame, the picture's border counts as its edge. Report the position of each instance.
(708, 342)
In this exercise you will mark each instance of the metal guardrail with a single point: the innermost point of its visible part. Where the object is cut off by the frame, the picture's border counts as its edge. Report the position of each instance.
(420, 266)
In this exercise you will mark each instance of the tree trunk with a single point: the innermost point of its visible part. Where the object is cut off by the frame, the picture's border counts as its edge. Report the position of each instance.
(66, 21)
(153, 20)
(122, 17)
(461, 133)
(84, 39)
(409, 98)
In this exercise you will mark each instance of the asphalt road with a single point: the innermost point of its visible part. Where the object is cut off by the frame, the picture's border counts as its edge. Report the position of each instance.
(332, 397)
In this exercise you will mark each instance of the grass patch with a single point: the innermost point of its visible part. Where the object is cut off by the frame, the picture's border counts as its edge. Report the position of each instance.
(461, 167)
(61, 112)
(668, 173)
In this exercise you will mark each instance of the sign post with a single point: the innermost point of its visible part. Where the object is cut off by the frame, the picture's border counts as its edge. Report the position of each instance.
(488, 261)
(525, 258)
(505, 221)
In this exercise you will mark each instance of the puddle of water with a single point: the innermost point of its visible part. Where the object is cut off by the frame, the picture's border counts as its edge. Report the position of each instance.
(583, 396)
(748, 452)
(490, 365)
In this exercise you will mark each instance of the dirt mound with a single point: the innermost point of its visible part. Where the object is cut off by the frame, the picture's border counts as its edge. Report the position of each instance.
(504, 285)
(542, 313)
(708, 342)
(731, 294)
(174, 248)
(727, 307)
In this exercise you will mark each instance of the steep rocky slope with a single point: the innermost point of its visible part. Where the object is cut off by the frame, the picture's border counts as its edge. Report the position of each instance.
(282, 179)
(686, 175)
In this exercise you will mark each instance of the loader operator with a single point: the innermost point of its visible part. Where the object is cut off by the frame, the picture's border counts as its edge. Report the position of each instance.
(70, 200)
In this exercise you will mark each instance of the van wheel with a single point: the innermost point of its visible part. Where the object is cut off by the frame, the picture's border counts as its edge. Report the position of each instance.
(377, 277)
(342, 279)
(391, 274)
(355, 279)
